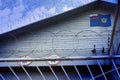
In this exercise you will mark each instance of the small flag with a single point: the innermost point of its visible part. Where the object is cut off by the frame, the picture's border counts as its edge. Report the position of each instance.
(100, 20)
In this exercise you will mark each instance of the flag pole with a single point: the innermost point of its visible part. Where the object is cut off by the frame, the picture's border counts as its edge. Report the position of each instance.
(114, 27)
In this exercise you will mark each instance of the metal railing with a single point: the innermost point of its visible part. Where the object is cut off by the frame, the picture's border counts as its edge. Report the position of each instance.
(101, 74)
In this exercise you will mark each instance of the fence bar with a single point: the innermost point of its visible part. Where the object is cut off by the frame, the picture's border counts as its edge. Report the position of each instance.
(60, 59)
(106, 72)
(97, 58)
(90, 72)
(101, 70)
(65, 72)
(2, 77)
(53, 72)
(26, 72)
(116, 68)
(78, 72)
(13, 71)
(41, 73)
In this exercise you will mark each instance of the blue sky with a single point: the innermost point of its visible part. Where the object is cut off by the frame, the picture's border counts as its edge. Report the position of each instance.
(17, 13)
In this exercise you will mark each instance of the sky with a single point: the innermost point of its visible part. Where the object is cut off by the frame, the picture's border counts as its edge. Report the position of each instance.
(18, 13)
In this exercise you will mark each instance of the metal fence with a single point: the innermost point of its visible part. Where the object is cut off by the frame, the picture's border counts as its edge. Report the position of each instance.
(98, 71)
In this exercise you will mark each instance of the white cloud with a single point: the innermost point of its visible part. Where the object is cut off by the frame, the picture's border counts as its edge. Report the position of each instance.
(66, 8)
(5, 12)
(52, 10)
(10, 17)
(4, 20)
(41, 13)
(15, 17)
(86, 1)
(31, 15)
(18, 9)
